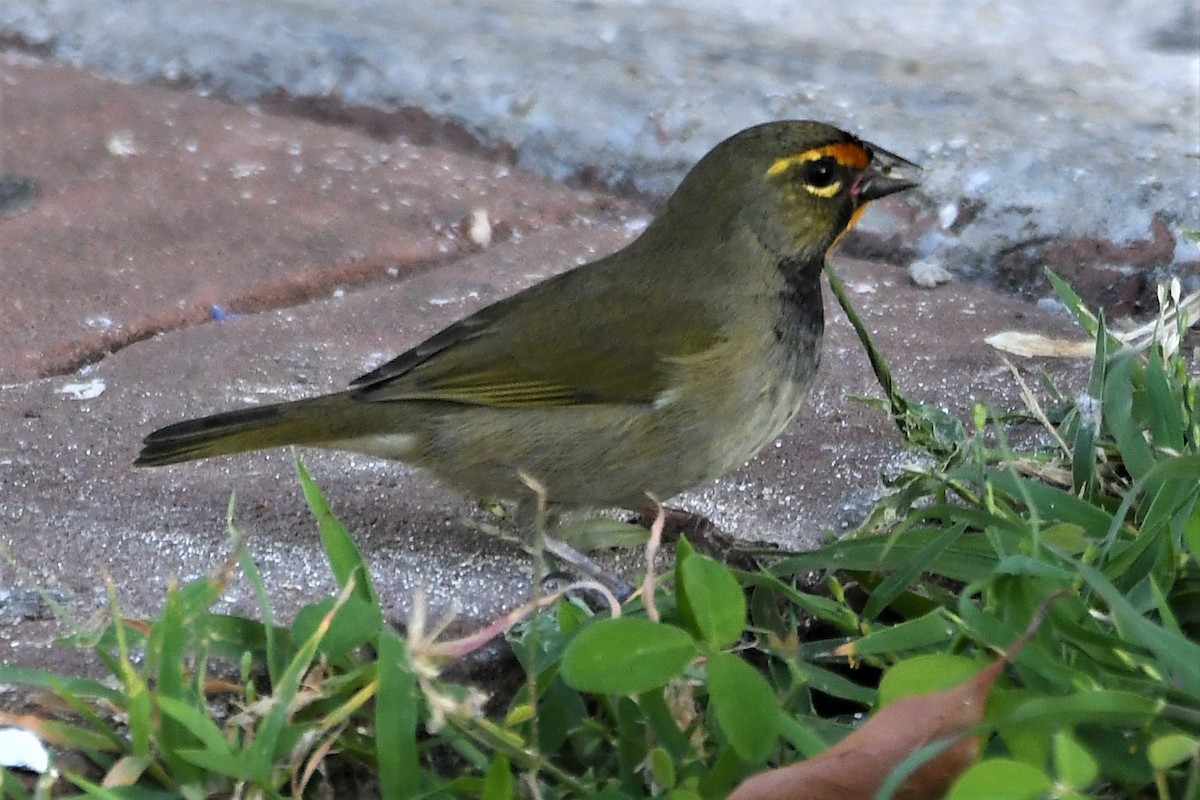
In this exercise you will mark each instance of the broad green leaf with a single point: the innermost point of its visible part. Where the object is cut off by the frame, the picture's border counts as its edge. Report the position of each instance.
(710, 600)
(1168, 751)
(662, 767)
(1067, 537)
(1072, 762)
(746, 707)
(925, 674)
(627, 655)
(1000, 779)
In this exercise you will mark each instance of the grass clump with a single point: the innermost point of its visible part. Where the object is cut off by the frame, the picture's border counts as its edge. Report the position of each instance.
(712, 674)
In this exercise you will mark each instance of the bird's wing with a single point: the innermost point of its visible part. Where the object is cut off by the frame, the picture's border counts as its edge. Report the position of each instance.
(566, 342)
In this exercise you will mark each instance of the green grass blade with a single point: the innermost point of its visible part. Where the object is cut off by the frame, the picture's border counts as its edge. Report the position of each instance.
(1179, 656)
(345, 559)
(899, 581)
(397, 714)
(1118, 417)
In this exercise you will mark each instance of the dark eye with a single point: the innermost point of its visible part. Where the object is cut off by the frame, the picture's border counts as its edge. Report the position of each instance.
(820, 173)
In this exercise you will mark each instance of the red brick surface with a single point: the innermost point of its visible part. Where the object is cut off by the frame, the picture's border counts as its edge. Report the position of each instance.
(156, 205)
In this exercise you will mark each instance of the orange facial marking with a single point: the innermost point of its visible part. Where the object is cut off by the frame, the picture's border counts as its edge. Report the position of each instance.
(853, 219)
(847, 154)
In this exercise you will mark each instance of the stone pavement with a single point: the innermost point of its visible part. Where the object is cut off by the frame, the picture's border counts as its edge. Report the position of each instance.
(185, 255)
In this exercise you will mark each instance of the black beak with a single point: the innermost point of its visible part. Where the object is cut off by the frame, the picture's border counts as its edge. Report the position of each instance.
(884, 179)
(872, 185)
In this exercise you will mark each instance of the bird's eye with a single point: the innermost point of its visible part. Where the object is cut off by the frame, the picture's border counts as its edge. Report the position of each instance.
(820, 173)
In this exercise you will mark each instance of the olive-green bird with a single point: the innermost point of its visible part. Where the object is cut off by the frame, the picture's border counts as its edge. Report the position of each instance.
(655, 369)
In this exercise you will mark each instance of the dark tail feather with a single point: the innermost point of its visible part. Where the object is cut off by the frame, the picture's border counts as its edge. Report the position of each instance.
(303, 422)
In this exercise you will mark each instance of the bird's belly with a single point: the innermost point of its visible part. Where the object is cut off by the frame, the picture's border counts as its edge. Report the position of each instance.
(764, 418)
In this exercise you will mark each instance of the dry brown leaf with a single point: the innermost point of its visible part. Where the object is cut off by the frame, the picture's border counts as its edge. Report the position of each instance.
(858, 765)
(1034, 344)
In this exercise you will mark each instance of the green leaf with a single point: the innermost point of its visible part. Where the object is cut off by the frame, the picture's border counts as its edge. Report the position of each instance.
(1106, 706)
(345, 560)
(746, 707)
(1173, 749)
(899, 581)
(273, 732)
(1191, 535)
(1118, 417)
(925, 631)
(599, 533)
(228, 764)
(397, 713)
(274, 651)
(1072, 762)
(968, 559)
(627, 655)
(823, 608)
(1074, 304)
(1052, 504)
(924, 674)
(1000, 779)
(1166, 418)
(833, 684)
(498, 782)
(1179, 656)
(197, 723)
(356, 622)
(662, 767)
(168, 641)
(710, 600)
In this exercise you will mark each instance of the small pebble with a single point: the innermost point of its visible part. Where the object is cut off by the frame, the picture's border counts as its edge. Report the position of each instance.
(479, 228)
(928, 274)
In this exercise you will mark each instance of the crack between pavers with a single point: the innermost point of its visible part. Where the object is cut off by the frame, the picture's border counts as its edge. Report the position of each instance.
(351, 276)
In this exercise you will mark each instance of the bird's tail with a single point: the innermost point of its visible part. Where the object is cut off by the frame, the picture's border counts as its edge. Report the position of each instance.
(308, 422)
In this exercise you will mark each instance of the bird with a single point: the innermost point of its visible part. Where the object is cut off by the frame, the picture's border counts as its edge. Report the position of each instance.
(655, 369)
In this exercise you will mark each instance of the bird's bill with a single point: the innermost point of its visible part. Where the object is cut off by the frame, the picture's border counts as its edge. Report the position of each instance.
(872, 185)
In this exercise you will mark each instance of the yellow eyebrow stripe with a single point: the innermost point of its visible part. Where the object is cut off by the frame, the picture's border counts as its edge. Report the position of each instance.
(848, 154)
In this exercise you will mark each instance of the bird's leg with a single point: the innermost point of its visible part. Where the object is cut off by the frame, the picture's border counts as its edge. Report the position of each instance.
(536, 524)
